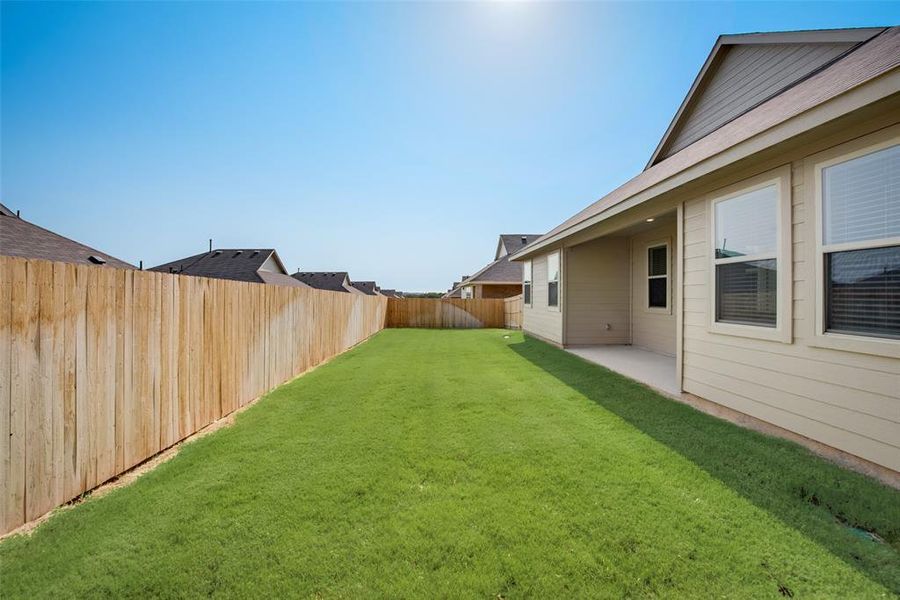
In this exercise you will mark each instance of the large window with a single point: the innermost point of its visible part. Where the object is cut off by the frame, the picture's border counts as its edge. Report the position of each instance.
(861, 244)
(468, 292)
(658, 276)
(553, 280)
(526, 283)
(746, 258)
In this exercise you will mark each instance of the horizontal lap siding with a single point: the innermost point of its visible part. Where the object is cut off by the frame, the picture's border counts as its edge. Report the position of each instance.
(847, 400)
(102, 368)
(538, 318)
(597, 292)
(652, 329)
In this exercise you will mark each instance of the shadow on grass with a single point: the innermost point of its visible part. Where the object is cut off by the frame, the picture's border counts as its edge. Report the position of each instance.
(831, 505)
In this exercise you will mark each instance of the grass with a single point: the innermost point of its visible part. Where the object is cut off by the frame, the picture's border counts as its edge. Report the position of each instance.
(474, 464)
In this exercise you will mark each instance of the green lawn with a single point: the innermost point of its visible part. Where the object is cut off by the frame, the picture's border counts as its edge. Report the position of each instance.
(477, 464)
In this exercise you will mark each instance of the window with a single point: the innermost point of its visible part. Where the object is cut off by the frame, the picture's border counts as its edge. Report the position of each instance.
(468, 292)
(750, 288)
(746, 258)
(526, 283)
(658, 276)
(553, 280)
(860, 244)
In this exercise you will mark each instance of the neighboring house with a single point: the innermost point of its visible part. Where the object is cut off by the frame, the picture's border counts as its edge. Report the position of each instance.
(369, 288)
(20, 238)
(755, 262)
(334, 281)
(390, 293)
(500, 278)
(256, 265)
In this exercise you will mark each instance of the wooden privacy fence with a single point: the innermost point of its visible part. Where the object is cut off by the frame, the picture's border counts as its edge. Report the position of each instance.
(101, 368)
(512, 310)
(446, 313)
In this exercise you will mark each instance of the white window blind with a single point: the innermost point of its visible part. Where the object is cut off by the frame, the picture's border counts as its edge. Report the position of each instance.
(861, 250)
(746, 263)
(862, 198)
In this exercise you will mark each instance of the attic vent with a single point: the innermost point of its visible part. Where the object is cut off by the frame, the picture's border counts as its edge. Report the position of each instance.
(97, 260)
(217, 253)
(255, 252)
(524, 239)
(238, 253)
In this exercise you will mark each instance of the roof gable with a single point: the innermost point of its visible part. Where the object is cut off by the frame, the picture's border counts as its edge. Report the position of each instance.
(743, 71)
(511, 243)
(878, 58)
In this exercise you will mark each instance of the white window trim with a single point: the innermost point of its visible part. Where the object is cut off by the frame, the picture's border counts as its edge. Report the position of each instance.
(463, 292)
(530, 283)
(667, 310)
(851, 342)
(559, 298)
(783, 330)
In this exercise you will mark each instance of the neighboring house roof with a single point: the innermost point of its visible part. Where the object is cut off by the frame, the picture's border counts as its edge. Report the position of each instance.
(369, 288)
(510, 243)
(235, 264)
(501, 270)
(743, 71)
(391, 293)
(335, 281)
(20, 238)
(879, 56)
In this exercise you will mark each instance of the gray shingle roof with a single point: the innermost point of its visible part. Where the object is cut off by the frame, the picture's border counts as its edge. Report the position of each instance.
(501, 270)
(18, 237)
(336, 281)
(235, 264)
(370, 288)
(513, 242)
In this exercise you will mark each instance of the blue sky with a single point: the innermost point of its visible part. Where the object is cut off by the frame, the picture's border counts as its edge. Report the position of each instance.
(393, 140)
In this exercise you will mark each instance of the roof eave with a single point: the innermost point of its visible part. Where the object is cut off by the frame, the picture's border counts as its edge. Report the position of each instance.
(868, 92)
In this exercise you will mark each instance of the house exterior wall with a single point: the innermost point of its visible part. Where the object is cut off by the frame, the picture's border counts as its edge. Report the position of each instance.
(653, 328)
(538, 318)
(847, 398)
(597, 292)
(497, 290)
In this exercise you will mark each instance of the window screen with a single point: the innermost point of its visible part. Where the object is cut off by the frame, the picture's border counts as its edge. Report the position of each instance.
(746, 292)
(863, 291)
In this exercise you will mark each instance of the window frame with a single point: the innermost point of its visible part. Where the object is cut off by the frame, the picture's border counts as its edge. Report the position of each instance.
(529, 265)
(783, 330)
(471, 288)
(667, 244)
(848, 341)
(558, 305)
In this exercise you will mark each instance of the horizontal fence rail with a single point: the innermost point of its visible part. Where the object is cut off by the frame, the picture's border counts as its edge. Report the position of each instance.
(446, 313)
(512, 309)
(102, 368)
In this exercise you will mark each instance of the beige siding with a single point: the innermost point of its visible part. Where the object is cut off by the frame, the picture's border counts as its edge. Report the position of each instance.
(652, 329)
(538, 318)
(597, 292)
(746, 76)
(848, 400)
